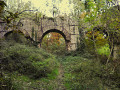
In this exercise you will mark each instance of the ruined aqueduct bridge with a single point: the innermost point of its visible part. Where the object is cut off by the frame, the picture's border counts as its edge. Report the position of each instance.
(67, 27)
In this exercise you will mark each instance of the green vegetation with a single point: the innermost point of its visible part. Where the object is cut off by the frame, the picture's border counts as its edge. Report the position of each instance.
(54, 43)
(95, 65)
(105, 50)
(82, 73)
(24, 66)
(19, 61)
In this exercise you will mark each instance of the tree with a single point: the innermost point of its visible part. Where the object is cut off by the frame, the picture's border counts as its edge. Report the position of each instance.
(88, 13)
(111, 20)
(2, 5)
(15, 11)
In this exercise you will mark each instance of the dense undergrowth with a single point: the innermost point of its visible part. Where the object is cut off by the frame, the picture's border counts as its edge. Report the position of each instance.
(82, 73)
(22, 63)
(26, 67)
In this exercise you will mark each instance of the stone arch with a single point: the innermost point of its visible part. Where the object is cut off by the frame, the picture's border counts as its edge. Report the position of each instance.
(13, 35)
(67, 41)
(24, 32)
(59, 28)
(9, 32)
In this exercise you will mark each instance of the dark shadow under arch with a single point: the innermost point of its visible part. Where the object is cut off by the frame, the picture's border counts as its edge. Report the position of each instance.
(20, 32)
(10, 32)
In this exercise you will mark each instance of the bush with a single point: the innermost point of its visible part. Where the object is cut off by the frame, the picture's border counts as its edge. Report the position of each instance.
(104, 50)
(5, 83)
(54, 48)
(30, 61)
(85, 74)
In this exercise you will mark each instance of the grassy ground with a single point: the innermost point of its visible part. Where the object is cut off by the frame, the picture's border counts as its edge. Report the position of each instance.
(81, 73)
(26, 67)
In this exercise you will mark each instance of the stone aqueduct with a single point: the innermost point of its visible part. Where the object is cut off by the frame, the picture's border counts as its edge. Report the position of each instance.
(67, 27)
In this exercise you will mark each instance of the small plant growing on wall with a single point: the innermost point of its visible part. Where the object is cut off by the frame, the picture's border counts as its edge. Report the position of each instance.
(32, 33)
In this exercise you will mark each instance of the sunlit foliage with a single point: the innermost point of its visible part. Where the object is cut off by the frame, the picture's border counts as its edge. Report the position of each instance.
(53, 42)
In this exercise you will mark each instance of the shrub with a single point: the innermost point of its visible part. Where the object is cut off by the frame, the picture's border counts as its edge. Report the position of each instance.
(30, 61)
(104, 50)
(5, 83)
(85, 74)
(54, 48)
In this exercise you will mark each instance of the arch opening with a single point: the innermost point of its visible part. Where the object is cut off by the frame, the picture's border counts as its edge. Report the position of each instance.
(53, 30)
(54, 41)
(16, 36)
